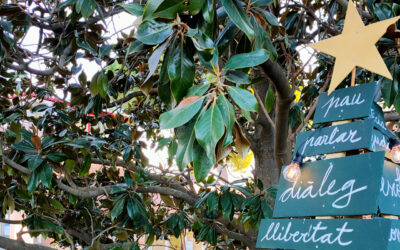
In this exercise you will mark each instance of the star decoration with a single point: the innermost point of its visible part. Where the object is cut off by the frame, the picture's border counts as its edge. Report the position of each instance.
(355, 47)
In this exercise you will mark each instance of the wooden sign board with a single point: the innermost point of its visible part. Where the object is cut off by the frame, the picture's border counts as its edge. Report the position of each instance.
(389, 192)
(376, 115)
(344, 104)
(330, 234)
(352, 185)
(345, 137)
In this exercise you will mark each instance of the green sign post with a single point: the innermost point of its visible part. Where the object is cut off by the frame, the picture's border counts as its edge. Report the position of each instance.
(352, 185)
(375, 234)
(345, 137)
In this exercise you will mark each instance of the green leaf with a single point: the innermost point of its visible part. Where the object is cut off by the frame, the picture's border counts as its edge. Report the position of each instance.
(238, 77)
(396, 102)
(153, 32)
(35, 162)
(133, 8)
(201, 162)
(155, 59)
(271, 18)
(208, 11)
(388, 91)
(56, 204)
(57, 157)
(45, 174)
(94, 90)
(84, 45)
(87, 7)
(118, 208)
(204, 45)
(226, 36)
(69, 165)
(33, 182)
(243, 98)
(228, 114)
(226, 205)
(245, 60)
(172, 149)
(149, 9)
(105, 50)
(186, 137)
(209, 129)
(181, 71)
(179, 116)
(269, 100)
(238, 17)
(12, 117)
(102, 84)
(136, 46)
(169, 8)
(87, 161)
(198, 90)
(128, 178)
(195, 6)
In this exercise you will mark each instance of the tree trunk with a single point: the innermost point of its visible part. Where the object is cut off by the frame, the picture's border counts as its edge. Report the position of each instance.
(262, 144)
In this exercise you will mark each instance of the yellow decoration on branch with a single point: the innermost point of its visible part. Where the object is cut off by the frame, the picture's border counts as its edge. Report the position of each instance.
(239, 164)
(355, 47)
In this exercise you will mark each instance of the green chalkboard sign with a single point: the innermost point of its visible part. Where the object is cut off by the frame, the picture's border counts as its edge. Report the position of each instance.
(345, 137)
(377, 116)
(340, 186)
(375, 234)
(389, 197)
(345, 104)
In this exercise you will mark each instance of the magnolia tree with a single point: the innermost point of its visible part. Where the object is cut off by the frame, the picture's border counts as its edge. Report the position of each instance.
(223, 76)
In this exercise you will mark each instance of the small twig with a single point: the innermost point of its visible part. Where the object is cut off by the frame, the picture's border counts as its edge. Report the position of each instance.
(264, 110)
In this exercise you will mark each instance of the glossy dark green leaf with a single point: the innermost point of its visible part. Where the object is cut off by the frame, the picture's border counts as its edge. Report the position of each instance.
(128, 178)
(201, 162)
(226, 36)
(87, 162)
(102, 84)
(195, 6)
(57, 157)
(149, 9)
(388, 91)
(118, 208)
(33, 182)
(181, 71)
(186, 138)
(153, 32)
(246, 60)
(45, 174)
(172, 149)
(226, 205)
(84, 45)
(238, 77)
(133, 8)
(269, 100)
(209, 129)
(243, 98)
(155, 59)
(271, 18)
(169, 8)
(12, 117)
(198, 90)
(105, 50)
(179, 116)
(69, 165)
(238, 17)
(34, 162)
(204, 45)
(396, 102)
(208, 11)
(228, 114)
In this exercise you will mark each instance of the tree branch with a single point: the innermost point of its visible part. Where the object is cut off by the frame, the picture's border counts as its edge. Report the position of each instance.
(284, 98)
(130, 96)
(10, 244)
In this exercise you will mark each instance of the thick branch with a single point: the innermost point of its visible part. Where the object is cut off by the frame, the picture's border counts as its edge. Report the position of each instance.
(391, 116)
(10, 244)
(284, 97)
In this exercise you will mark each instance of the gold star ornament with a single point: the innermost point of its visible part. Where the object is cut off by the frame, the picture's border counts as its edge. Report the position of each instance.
(355, 47)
